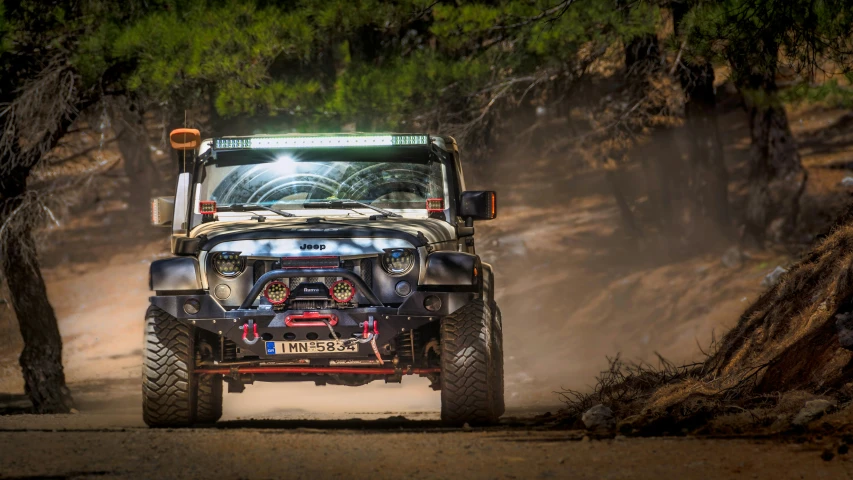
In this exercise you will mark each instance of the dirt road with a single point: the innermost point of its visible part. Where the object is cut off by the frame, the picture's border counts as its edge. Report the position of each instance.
(114, 446)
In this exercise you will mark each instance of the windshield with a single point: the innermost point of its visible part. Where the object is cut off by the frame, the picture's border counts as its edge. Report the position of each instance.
(288, 183)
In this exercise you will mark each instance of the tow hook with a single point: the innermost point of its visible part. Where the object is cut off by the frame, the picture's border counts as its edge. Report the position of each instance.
(369, 325)
(254, 327)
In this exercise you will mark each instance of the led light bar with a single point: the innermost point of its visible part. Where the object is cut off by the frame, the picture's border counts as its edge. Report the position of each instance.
(311, 262)
(317, 141)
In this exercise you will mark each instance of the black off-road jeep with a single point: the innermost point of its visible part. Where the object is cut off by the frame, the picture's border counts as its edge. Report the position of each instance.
(336, 259)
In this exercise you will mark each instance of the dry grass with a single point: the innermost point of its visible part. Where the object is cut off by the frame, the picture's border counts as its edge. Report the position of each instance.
(785, 342)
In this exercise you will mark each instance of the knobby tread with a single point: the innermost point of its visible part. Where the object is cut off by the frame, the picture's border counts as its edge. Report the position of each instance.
(498, 363)
(168, 395)
(209, 408)
(466, 374)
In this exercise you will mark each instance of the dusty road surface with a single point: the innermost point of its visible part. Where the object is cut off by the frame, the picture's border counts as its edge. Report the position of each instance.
(115, 446)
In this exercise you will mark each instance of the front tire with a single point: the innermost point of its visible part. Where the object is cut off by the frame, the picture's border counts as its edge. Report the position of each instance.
(168, 387)
(209, 394)
(498, 361)
(467, 372)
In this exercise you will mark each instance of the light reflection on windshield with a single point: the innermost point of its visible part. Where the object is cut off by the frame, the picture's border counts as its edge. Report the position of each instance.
(287, 183)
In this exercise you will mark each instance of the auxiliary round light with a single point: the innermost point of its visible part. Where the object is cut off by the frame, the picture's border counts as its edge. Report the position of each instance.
(398, 261)
(432, 303)
(342, 291)
(403, 288)
(276, 292)
(222, 291)
(228, 264)
(192, 306)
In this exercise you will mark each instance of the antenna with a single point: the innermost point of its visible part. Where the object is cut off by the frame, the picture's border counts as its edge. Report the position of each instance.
(185, 139)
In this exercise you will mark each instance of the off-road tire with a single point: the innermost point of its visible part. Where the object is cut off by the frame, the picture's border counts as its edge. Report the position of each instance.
(498, 361)
(168, 386)
(467, 378)
(209, 394)
(497, 340)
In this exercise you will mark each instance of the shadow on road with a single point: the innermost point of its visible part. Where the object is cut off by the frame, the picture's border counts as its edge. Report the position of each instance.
(381, 424)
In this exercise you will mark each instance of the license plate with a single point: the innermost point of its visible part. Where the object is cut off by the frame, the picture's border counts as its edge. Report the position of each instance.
(309, 346)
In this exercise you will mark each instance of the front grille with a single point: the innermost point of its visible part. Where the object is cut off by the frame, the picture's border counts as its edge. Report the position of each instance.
(365, 268)
(258, 268)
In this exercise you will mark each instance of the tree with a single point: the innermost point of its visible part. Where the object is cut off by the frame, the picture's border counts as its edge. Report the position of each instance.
(758, 38)
(55, 66)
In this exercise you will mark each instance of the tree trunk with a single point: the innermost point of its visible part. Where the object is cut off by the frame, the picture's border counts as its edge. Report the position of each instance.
(776, 175)
(41, 358)
(629, 223)
(709, 178)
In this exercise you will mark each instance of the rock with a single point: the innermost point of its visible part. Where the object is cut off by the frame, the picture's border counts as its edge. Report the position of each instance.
(847, 182)
(466, 427)
(598, 419)
(813, 410)
(773, 277)
(732, 258)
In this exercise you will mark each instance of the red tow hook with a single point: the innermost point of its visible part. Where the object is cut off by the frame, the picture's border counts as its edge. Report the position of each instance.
(371, 323)
(254, 327)
(367, 326)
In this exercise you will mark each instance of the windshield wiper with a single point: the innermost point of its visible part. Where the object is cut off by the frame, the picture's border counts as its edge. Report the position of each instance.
(348, 205)
(247, 207)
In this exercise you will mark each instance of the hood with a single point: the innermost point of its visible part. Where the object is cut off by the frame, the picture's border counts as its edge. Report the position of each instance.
(417, 231)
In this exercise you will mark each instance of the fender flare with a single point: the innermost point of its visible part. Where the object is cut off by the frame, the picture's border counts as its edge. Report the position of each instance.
(177, 274)
(452, 271)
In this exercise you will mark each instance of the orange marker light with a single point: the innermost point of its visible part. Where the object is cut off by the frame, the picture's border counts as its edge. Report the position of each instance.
(185, 138)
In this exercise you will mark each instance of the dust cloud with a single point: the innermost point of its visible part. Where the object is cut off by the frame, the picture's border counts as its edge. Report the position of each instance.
(571, 293)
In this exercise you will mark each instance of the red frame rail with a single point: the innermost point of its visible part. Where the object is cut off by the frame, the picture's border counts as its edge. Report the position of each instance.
(351, 370)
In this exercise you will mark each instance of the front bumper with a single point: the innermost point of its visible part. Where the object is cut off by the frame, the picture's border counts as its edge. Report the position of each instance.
(272, 326)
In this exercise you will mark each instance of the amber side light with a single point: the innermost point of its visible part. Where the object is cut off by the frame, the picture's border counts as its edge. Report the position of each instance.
(494, 203)
(185, 138)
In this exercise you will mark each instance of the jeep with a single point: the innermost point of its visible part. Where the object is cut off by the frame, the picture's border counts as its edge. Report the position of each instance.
(336, 259)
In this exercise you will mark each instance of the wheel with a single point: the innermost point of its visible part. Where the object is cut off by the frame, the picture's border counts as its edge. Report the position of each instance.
(467, 377)
(498, 361)
(168, 387)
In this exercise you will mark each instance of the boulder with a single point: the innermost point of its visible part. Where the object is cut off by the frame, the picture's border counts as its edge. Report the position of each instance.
(812, 410)
(773, 277)
(599, 419)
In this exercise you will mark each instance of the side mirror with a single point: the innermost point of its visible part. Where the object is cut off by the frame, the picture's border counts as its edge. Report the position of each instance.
(162, 211)
(478, 206)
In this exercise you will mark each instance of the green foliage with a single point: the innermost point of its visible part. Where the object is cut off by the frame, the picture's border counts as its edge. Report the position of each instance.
(754, 36)
(375, 62)
(830, 93)
(229, 46)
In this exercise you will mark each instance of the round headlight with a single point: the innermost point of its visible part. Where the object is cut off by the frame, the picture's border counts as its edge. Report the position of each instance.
(228, 264)
(398, 261)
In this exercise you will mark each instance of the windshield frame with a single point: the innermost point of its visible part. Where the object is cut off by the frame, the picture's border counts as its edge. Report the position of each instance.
(397, 153)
